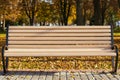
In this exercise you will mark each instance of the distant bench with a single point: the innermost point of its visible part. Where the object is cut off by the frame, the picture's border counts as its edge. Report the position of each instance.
(59, 41)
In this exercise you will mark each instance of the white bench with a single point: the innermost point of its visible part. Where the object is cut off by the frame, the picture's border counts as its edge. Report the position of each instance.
(59, 41)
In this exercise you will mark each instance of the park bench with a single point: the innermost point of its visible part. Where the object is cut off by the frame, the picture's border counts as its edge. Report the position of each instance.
(37, 41)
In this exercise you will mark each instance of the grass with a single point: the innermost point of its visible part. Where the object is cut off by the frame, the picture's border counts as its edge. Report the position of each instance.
(2, 35)
(117, 34)
(61, 63)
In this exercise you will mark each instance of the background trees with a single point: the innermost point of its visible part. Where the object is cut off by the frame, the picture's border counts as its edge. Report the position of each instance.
(97, 12)
(59, 12)
(64, 10)
(9, 12)
(119, 3)
(79, 12)
(30, 7)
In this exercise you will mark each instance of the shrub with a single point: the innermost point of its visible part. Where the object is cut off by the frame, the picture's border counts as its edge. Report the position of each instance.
(117, 29)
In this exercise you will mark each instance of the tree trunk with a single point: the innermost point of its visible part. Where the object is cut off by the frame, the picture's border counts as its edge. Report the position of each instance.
(65, 10)
(29, 6)
(119, 3)
(79, 15)
(31, 22)
(97, 12)
(103, 18)
(104, 7)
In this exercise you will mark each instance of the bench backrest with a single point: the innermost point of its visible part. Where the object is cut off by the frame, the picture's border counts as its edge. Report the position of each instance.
(59, 37)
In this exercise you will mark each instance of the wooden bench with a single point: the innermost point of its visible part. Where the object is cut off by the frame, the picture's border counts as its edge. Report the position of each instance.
(59, 41)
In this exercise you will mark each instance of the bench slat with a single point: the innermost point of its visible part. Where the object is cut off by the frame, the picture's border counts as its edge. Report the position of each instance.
(55, 52)
(59, 27)
(75, 31)
(63, 53)
(60, 42)
(38, 28)
(58, 34)
(44, 50)
(59, 38)
(58, 46)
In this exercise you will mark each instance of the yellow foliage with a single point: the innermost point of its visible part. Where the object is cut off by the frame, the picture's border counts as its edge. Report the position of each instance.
(72, 17)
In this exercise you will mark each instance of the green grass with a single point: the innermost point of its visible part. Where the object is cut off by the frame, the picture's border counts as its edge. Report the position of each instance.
(2, 34)
(116, 34)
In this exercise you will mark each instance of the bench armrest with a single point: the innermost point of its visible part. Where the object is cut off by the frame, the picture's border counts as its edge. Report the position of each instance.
(5, 47)
(116, 49)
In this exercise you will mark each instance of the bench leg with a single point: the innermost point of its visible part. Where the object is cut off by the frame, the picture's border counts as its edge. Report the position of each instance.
(115, 64)
(3, 61)
(4, 68)
(7, 60)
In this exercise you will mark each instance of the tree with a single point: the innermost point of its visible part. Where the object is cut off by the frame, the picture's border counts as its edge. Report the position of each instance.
(44, 14)
(97, 12)
(79, 15)
(64, 10)
(112, 12)
(9, 11)
(30, 7)
(119, 3)
(3, 11)
(104, 7)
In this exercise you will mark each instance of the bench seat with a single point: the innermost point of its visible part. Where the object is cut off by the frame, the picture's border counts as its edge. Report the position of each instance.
(60, 52)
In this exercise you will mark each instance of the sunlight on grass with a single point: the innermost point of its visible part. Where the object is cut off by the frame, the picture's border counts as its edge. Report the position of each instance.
(2, 35)
(117, 34)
